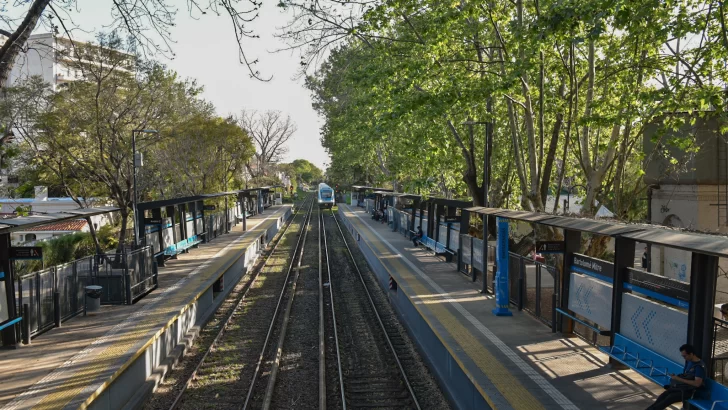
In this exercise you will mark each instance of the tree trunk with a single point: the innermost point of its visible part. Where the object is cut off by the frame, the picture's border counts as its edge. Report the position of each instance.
(12, 47)
(597, 246)
(95, 238)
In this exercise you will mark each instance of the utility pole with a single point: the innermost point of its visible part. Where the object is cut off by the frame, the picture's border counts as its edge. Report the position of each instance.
(486, 186)
(136, 161)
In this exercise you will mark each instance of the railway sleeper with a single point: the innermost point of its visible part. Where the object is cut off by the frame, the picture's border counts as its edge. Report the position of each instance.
(376, 390)
(386, 405)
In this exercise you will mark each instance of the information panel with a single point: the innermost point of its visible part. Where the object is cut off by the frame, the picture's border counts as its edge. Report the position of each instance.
(591, 298)
(655, 326)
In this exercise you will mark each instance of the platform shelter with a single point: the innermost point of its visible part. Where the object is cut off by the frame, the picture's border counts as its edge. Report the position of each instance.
(640, 319)
(442, 223)
(359, 193)
(10, 312)
(401, 211)
(172, 226)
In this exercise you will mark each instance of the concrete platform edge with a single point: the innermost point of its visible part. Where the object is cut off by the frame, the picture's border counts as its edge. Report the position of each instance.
(453, 377)
(132, 384)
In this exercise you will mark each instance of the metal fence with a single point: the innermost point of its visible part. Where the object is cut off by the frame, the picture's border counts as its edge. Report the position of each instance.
(532, 286)
(216, 222)
(720, 351)
(56, 294)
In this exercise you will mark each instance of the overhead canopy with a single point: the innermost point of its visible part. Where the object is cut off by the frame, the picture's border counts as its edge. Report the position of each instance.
(591, 226)
(161, 203)
(713, 245)
(484, 211)
(702, 243)
(25, 223)
(399, 195)
(455, 203)
(524, 215)
(362, 188)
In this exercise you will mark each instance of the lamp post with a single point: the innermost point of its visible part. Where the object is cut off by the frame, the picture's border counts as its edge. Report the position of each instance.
(136, 157)
(486, 186)
(568, 196)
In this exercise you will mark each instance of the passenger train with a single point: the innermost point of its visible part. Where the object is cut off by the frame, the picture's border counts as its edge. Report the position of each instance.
(325, 196)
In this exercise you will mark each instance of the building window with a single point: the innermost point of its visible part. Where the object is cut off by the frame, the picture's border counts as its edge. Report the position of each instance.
(29, 237)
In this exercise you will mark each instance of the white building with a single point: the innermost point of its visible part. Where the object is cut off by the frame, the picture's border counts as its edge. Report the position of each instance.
(58, 61)
(687, 189)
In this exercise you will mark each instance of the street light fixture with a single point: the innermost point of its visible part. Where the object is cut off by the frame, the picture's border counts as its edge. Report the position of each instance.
(136, 161)
(486, 187)
(568, 196)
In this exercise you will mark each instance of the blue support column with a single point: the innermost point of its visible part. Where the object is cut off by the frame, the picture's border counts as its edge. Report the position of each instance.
(501, 277)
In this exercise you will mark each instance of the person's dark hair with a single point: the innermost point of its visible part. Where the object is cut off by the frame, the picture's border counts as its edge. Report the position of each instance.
(689, 349)
(724, 307)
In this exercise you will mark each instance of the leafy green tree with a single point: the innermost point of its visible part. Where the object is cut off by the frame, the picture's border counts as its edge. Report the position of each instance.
(83, 140)
(203, 154)
(564, 98)
(303, 171)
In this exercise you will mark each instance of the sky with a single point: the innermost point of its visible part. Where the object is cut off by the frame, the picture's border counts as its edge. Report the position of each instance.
(206, 50)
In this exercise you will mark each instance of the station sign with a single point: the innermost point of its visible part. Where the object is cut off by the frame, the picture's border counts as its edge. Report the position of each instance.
(595, 267)
(153, 221)
(550, 246)
(209, 207)
(453, 218)
(26, 252)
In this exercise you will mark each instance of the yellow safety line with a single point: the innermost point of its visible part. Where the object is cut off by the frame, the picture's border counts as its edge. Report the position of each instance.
(79, 380)
(511, 389)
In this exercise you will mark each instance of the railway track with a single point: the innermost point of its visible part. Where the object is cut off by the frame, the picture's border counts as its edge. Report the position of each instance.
(371, 371)
(310, 329)
(288, 370)
(222, 366)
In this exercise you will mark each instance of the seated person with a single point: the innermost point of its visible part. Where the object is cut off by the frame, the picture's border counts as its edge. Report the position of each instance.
(418, 236)
(683, 385)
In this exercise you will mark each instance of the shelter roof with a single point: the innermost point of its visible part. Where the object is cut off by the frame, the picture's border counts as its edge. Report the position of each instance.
(25, 223)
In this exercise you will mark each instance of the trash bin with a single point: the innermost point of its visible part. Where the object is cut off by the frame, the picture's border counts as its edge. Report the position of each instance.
(93, 298)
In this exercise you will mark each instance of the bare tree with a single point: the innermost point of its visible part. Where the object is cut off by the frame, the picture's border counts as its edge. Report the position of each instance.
(270, 132)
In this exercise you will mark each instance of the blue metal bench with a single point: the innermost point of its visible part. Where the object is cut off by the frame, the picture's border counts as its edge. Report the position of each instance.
(437, 247)
(711, 396)
(649, 364)
(657, 368)
(181, 246)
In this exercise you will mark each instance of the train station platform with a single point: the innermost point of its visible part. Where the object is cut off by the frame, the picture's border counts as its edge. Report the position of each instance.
(484, 361)
(112, 359)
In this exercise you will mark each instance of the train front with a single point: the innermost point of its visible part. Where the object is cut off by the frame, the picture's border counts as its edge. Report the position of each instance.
(325, 196)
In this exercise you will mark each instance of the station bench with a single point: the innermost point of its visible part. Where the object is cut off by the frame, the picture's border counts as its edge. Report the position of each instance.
(181, 246)
(657, 368)
(437, 248)
(712, 396)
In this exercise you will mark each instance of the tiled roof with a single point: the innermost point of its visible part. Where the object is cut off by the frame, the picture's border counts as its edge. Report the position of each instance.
(72, 225)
